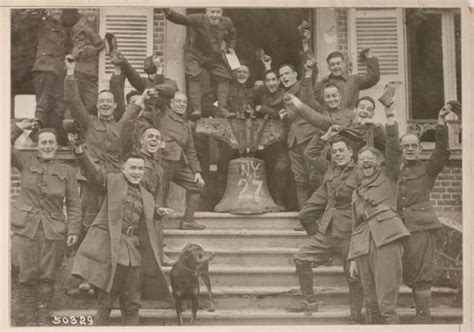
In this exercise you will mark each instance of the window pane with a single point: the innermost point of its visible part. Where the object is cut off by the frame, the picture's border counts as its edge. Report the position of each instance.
(425, 58)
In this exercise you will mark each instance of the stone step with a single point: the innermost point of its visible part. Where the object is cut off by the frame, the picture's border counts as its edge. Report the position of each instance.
(270, 297)
(214, 220)
(259, 276)
(211, 239)
(326, 316)
(249, 256)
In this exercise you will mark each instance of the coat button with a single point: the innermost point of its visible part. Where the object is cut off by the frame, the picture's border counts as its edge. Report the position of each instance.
(43, 184)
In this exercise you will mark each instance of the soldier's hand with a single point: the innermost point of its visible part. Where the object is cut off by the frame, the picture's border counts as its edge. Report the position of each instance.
(140, 101)
(72, 240)
(332, 131)
(266, 59)
(309, 64)
(283, 113)
(292, 100)
(26, 124)
(199, 180)
(365, 54)
(445, 111)
(163, 211)
(390, 110)
(231, 50)
(70, 64)
(353, 270)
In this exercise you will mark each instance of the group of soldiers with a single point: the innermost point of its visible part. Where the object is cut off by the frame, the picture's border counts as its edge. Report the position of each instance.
(375, 213)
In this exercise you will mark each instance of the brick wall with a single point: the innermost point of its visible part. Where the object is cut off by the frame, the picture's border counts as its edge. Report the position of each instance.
(158, 31)
(341, 26)
(447, 192)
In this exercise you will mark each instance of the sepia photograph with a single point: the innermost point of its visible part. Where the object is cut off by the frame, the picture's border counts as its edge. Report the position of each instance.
(236, 166)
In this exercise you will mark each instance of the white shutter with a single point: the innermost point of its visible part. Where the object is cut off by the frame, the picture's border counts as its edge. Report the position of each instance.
(383, 31)
(133, 30)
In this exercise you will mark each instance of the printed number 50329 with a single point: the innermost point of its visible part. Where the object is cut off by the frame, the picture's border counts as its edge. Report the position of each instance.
(73, 320)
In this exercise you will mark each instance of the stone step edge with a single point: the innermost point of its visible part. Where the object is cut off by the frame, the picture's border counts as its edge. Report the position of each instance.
(335, 312)
(222, 291)
(231, 269)
(219, 215)
(234, 232)
(256, 250)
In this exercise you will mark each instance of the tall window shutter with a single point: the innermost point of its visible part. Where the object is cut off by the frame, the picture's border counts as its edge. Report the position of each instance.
(383, 31)
(133, 30)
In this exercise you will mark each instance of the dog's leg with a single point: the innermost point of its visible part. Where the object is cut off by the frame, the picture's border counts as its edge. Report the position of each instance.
(177, 303)
(195, 304)
(204, 273)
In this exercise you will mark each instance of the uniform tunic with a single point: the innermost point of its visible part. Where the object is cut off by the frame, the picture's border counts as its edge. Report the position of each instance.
(376, 232)
(38, 223)
(414, 186)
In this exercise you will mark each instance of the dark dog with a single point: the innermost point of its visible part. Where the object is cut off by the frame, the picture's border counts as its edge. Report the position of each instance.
(192, 263)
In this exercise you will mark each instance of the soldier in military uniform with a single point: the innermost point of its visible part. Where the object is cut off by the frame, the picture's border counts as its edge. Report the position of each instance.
(349, 85)
(376, 246)
(180, 162)
(209, 37)
(39, 227)
(307, 178)
(48, 71)
(119, 254)
(326, 217)
(87, 45)
(102, 137)
(150, 143)
(414, 186)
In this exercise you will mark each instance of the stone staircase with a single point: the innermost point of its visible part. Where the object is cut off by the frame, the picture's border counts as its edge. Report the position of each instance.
(253, 277)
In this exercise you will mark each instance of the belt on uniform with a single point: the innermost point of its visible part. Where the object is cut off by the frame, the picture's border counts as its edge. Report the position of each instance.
(128, 230)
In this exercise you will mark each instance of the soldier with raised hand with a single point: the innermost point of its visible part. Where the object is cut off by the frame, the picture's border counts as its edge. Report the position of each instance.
(209, 37)
(87, 45)
(119, 255)
(48, 72)
(326, 217)
(40, 230)
(349, 85)
(414, 186)
(307, 178)
(376, 246)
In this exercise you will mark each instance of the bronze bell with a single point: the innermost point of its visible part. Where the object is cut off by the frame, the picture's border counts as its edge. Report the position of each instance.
(246, 190)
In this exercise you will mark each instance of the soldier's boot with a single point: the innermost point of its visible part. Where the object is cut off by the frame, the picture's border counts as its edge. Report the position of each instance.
(192, 201)
(305, 278)
(391, 318)
(195, 98)
(102, 317)
(28, 304)
(356, 294)
(422, 305)
(130, 317)
(223, 87)
(372, 314)
(45, 292)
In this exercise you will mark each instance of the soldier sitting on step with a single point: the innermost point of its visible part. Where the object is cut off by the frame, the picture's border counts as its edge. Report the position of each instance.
(326, 217)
